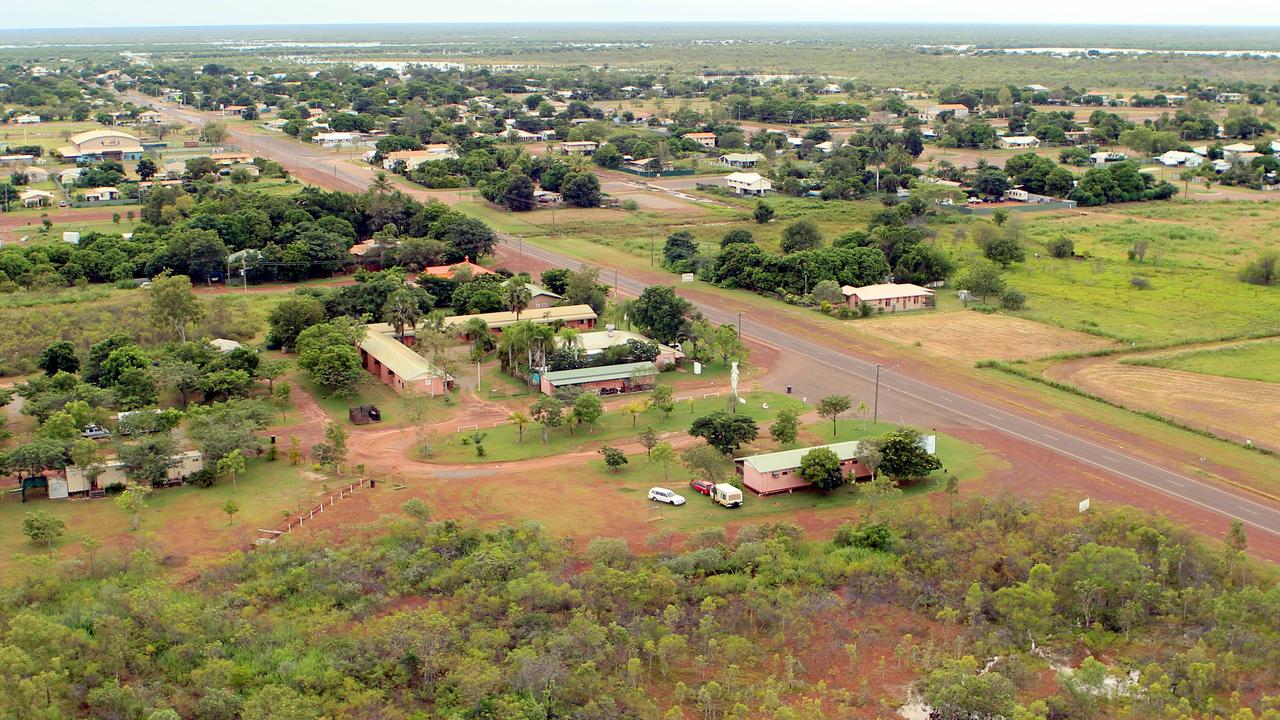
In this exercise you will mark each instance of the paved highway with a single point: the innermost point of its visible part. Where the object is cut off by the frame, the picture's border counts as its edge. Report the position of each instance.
(330, 170)
(970, 411)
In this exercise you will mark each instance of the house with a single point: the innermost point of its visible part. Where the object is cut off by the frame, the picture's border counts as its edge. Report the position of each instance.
(234, 110)
(28, 119)
(231, 158)
(1019, 142)
(749, 183)
(98, 145)
(150, 117)
(779, 472)
(451, 270)
(578, 147)
(581, 317)
(741, 160)
(34, 174)
(705, 139)
(889, 297)
(595, 343)
(1036, 88)
(1235, 149)
(1018, 194)
(606, 379)
(1075, 137)
(334, 139)
(8, 160)
(397, 365)
(36, 198)
(539, 297)
(1174, 158)
(112, 473)
(647, 165)
(415, 158)
(546, 198)
(69, 176)
(1103, 157)
(955, 109)
(831, 89)
(1229, 97)
(225, 345)
(102, 194)
(826, 147)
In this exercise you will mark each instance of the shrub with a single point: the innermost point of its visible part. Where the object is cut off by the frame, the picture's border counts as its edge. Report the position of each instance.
(876, 536)
(1062, 247)
(204, 477)
(1138, 282)
(1013, 299)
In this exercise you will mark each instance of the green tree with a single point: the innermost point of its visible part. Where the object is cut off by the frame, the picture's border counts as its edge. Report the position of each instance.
(648, 440)
(132, 502)
(230, 508)
(42, 527)
(59, 357)
(1004, 249)
(903, 455)
(982, 278)
(705, 462)
(662, 399)
(402, 311)
(785, 427)
(613, 458)
(763, 213)
(149, 460)
(517, 297)
(820, 467)
(957, 691)
(723, 431)
(548, 412)
(232, 464)
(661, 314)
(832, 407)
(801, 235)
(581, 189)
(1026, 608)
(290, 317)
(280, 397)
(172, 304)
(587, 409)
(663, 453)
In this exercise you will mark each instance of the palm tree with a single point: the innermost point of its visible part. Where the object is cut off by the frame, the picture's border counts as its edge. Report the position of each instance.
(381, 183)
(1187, 175)
(401, 310)
(519, 419)
(569, 337)
(898, 159)
(541, 336)
(518, 297)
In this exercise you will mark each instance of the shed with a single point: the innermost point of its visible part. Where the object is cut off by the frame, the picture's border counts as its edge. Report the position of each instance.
(606, 380)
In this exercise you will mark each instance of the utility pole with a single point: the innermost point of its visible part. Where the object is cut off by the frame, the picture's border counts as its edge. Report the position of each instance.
(739, 327)
(875, 413)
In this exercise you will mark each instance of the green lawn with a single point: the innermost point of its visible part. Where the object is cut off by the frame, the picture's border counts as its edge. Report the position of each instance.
(190, 513)
(371, 392)
(1252, 361)
(503, 444)
(631, 484)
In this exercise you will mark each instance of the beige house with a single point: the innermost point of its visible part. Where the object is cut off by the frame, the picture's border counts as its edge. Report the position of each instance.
(113, 473)
(956, 109)
(96, 145)
(889, 297)
(36, 198)
(705, 139)
(102, 194)
(578, 147)
(414, 158)
(396, 364)
(749, 183)
(1019, 142)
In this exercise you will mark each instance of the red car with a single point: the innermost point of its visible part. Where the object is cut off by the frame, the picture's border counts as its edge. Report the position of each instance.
(702, 486)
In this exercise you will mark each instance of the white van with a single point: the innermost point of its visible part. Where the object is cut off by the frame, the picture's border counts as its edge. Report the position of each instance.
(727, 495)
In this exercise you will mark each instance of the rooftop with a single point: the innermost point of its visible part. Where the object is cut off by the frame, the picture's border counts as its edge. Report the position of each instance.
(565, 313)
(596, 374)
(788, 459)
(597, 341)
(885, 291)
(395, 355)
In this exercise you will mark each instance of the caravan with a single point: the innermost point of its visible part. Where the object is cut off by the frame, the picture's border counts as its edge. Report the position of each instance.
(726, 495)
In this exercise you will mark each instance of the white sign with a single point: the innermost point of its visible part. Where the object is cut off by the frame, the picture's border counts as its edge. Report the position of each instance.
(929, 443)
(686, 277)
(1084, 505)
(697, 368)
(71, 237)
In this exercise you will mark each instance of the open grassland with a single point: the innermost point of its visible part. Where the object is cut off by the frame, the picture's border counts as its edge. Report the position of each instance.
(1243, 410)
(970, 336)
(503, 443)
(1193, 255)
(1250, 361)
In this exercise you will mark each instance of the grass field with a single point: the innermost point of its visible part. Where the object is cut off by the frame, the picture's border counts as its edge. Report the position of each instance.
(970, 336)
(503, 443)
(1250, 361)
(185, 521)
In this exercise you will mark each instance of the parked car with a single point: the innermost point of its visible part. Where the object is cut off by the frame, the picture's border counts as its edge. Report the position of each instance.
(93, 432)
(663, 495)
(702, 486)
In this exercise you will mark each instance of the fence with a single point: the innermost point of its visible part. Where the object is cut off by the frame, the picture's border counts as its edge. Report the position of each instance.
(297, 521)
(664, 173)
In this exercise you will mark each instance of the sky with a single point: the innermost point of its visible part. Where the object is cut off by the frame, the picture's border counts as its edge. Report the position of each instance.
(24, 14)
